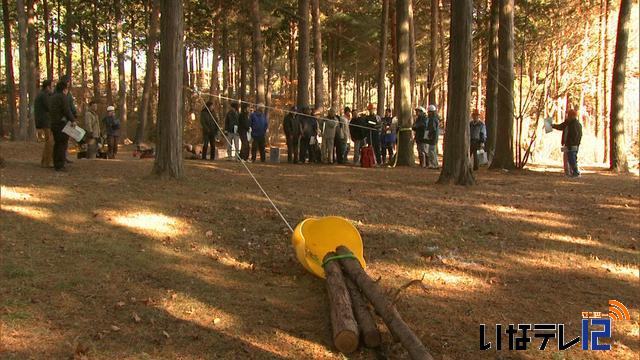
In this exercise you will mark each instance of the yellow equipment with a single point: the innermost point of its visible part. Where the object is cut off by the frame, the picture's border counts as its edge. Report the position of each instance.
(314, 238)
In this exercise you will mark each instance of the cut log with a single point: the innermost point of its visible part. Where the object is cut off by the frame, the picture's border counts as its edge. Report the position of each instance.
(399, 329)
(343, 323)
(366, 324)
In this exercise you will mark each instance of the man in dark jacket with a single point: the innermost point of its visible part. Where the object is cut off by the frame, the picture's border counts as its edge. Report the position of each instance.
(291, 125)
(60, 113)
(308, 134)
(477, 135)
(72, 104)
(209, 130)
(112, 128)
(388, 136)
(359, 134)
(421, 135)
(231, 125)
(244, 125)
(259, 127)
(433, 127)
(374, 123)
(43, 123)
(571, 138)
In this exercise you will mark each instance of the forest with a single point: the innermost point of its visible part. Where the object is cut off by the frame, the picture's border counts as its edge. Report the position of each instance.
(146, 249)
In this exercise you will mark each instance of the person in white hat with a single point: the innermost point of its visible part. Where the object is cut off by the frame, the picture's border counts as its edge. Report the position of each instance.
(421, 135)
(112, 128)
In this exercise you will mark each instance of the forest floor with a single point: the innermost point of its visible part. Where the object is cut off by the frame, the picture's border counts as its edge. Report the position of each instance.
(106, 262)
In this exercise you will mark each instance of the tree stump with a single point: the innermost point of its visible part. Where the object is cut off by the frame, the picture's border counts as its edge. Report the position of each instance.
(343, 323)
(367, 325)
(384, 307)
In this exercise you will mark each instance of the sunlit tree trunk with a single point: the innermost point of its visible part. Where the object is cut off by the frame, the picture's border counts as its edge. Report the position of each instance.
(256, 39)
(503, 158)
(169, 162)
(108, 55)
(412, 56)
(47, 36)
(618, 158)
(68, 29)
(10, 78)
(244, 64)
(122, 81)
(433, 53)
(95, 61)
(456, 167)
(317, 56)
(605, 76)
(405, 145)
(24, 71)
(491, 98)
(303, 54)
(382, 59)
(143, 109)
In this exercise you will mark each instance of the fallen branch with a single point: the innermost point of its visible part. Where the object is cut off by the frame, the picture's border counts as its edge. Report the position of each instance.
(408, 285)
(367, 325)
(343, 323)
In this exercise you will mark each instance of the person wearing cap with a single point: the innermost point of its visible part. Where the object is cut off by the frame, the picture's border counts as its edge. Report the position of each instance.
(112, 129)
(433, 128)
(329, 130)
(60, 114)
(43, 122)
(259, 127)
(477, 135)
(231, 123)
(421, 135)
(388, 136)
(291, 125)
(244, 126)
(374, 123)
(571, 138)
(209, 130)
(94, 132)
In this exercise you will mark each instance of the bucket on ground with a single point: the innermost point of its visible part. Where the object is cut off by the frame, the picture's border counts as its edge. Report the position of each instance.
(274, 154)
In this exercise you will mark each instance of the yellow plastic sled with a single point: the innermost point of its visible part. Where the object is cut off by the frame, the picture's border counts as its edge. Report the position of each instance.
(314, 238)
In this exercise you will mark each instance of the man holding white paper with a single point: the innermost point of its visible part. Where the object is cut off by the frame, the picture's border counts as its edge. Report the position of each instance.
(60, 114)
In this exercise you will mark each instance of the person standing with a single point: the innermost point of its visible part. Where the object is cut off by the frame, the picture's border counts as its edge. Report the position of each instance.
(94, 132)
(244, 126)
(209, 130)
(571, 138)
(43, 123)
(112, 129)
(421, 133)
(231, 126)
(346, 142)
(478, 136)
(259, 127)
(291, 125)
(308, 135)
(359, 134)
(374, 123)
(67, 80)
(388, 136)
(433, 128)
(60, 113)
(330, 125)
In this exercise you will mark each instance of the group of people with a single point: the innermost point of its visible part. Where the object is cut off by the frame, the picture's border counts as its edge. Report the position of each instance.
(54, 109)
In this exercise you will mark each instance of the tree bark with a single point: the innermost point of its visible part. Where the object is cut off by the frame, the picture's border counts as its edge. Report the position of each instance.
(412, 56)
(24, 71)
(68, 30)
(34, 71)
(618, 158)
(383, 307)
(433, 53)
(382, 59)
(292, 60)
(108, 55)
(47, 36)
(303, 54)
(256, 39)
(456, 167)
(503, 158)
(343, 323)
(243, 67)
(122, 81)
(403, 107)
(95, 63)
(10, 78)
(491, 98)
(143, 109)
(605, 76)
(169, 162)
(226, 69)
(317, 58)
(366, 324)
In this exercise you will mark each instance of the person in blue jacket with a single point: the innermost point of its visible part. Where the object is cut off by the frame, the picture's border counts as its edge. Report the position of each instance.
(477, 137)
(259, 127)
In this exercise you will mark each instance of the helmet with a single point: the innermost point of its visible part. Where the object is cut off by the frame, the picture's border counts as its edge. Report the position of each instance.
(421, 109)
(432, 108)
(111, 108)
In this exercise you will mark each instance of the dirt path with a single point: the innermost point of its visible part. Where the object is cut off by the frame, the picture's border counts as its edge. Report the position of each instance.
(106, 262)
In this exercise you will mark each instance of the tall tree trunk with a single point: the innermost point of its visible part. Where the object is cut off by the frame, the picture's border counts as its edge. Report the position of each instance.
(143, 109)
(108, 55)
(24, 71)
(133, 73)
(256, 39)
(598, 73)
(382, 59)
(169, 161)
(34, 71)
(443, 88)
(605, 75)
(491, 98)
(433, 53)
(456, 167)
(317, 58)
(618, 157)
(503, 158)
(122, 80)
(58, 51)
(292, 60)
(83, 71)
(47, 36)
(68, 30)
(95, 61)
(10, 79)
(303, 54)
(403, 107)
(244, 65)
(226, 69)
(412, 56)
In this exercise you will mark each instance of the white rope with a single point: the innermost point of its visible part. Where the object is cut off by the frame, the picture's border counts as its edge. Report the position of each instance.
(242, 161)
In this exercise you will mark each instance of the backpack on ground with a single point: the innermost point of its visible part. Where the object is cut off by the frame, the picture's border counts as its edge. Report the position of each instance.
(367, 157)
